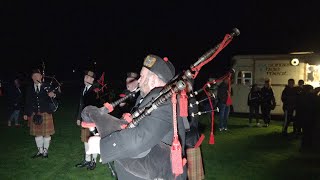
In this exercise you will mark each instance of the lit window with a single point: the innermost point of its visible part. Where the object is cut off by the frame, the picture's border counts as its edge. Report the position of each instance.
(244, 77)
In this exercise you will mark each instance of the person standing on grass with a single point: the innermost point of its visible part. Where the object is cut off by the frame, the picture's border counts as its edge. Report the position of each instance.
(223, 104)
(306, 105)
(289, 98)
(299, 108)
(268, 102)
(37, 110)
(254, 99)
(14, 102)
(88, 96)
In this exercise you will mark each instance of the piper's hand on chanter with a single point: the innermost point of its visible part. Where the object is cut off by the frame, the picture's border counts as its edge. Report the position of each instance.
(52, 94)
(25, 117)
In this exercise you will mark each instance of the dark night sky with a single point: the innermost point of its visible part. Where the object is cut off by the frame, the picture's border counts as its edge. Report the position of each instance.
(69, 35)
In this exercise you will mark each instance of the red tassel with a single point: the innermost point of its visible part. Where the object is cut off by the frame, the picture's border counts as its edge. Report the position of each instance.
(108, 106)
(183, 104)
(229, 100)
(176, 157)
(211, 140)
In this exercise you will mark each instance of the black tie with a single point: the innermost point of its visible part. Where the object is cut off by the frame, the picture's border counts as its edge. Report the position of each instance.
(38, 90)
(85, 90)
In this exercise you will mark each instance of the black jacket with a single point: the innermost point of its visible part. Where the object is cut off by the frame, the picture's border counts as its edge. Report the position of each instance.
(144, 150)
(37, 102)
(267, 98)
(254, 98)
(223, 93)
(89, 98)
(289, 97)
(15, 101)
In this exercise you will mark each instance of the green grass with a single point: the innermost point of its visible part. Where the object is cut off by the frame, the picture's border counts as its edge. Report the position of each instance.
(240, 153)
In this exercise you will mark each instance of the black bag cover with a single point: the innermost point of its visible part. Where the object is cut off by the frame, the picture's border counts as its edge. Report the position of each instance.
(105, 123)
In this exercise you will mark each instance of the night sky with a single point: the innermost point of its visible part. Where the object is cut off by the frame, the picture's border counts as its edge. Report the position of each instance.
(118, 35)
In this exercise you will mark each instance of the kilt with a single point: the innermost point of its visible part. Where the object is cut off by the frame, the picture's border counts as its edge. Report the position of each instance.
(46, 128)
(85, 134)
(195, 166)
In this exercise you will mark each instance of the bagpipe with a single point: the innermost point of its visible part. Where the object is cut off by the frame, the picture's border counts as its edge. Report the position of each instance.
(106, 124)
(51, 84)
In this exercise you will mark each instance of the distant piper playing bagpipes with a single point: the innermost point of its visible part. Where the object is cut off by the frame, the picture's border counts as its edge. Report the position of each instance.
(38, 111)
(89, 95)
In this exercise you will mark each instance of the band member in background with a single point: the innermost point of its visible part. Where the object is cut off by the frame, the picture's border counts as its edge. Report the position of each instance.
(37, 110)
(143, 152)
(88, 96)
(131, 85)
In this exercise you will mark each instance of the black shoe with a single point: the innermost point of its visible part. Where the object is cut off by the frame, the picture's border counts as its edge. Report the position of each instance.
(84, 163)
(91, 165)
(37, 155)
(45, 155)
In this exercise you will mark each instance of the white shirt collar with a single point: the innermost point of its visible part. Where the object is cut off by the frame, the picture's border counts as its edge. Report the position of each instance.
(35, 86)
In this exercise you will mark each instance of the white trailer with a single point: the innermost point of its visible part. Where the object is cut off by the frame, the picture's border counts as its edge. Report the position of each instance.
(250, 69)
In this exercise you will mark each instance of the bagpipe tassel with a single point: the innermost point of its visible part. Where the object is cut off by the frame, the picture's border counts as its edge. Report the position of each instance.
(176, 157)
(211, 140)
(176, 150)
(229, 100)
(183, 104)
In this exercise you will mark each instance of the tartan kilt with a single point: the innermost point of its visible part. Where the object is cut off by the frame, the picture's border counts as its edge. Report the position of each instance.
(195, 165)
(85, 134)
(46, 128)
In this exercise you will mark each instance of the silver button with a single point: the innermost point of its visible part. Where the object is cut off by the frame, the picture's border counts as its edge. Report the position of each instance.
(114, 144)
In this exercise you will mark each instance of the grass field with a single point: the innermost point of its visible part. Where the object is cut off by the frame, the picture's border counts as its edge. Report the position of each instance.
(242, 152)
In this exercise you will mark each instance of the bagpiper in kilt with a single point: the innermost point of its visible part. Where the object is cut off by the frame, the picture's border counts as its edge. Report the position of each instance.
(88, 96)
(39, 114)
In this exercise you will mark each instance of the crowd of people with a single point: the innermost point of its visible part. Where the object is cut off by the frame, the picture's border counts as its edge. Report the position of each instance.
(299, 107)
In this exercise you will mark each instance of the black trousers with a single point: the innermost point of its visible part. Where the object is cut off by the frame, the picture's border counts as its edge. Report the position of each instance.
(253, 113)
(288, 118)
(266, 116)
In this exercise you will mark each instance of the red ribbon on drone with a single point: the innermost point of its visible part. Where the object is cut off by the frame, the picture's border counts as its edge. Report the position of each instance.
(101, 82)
(227, 39)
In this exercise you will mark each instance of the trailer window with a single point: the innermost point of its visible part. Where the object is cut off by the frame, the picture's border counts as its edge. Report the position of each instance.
(244, 77)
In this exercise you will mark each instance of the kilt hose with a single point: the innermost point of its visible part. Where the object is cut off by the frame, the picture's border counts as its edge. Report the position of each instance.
(46, 128)
(85, 134)
(195, 165)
